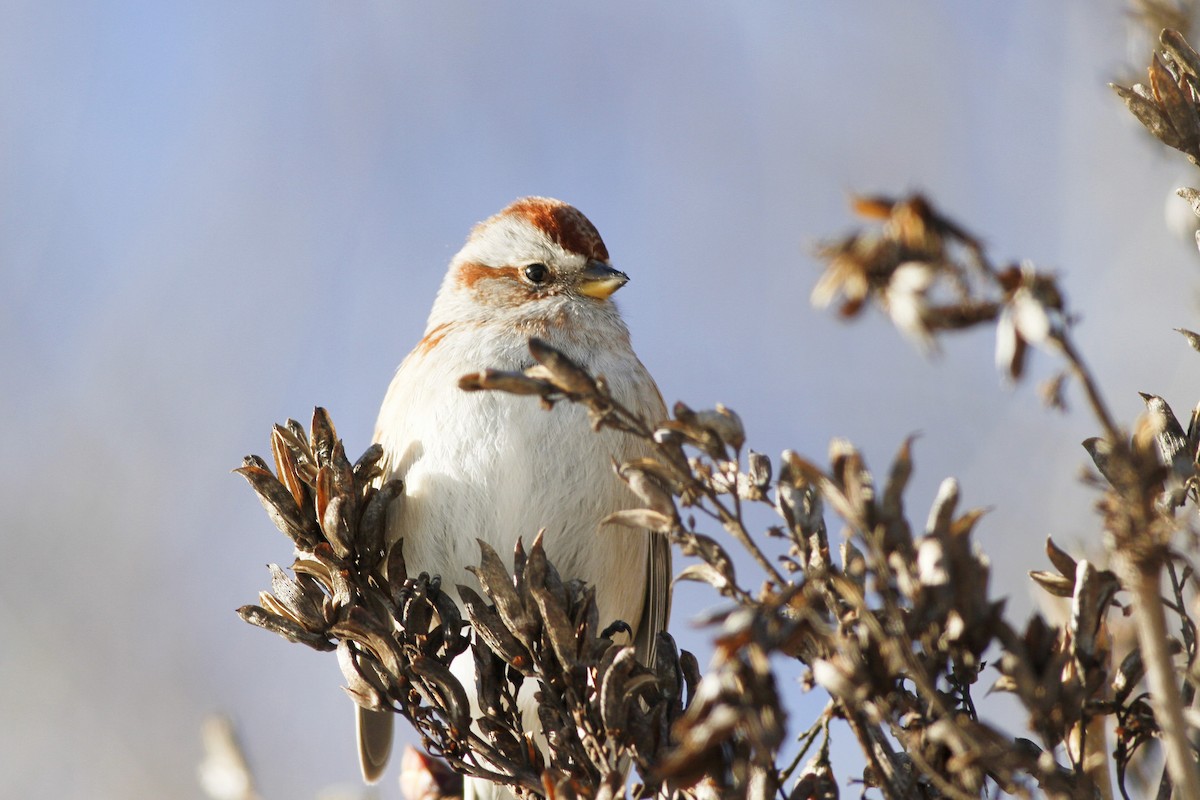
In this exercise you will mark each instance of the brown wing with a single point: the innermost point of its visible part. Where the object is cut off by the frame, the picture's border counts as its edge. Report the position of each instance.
(656, 610)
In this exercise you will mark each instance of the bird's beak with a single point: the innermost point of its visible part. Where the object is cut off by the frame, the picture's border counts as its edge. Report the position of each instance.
(599, 280)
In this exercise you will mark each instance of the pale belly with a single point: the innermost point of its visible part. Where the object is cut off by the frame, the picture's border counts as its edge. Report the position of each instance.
(522, 469)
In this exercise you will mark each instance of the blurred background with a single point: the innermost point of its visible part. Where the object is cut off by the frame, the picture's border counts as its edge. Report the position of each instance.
(216, 216)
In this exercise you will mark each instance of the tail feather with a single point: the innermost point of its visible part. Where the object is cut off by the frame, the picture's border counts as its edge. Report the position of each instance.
(374, 742)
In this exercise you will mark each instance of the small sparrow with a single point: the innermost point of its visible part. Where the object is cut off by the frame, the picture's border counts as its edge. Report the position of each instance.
(496, 467)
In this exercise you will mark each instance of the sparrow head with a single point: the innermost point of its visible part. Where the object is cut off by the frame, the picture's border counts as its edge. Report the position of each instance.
(537, 253)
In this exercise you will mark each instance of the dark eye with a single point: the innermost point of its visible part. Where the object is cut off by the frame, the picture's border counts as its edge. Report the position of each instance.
(537, 273)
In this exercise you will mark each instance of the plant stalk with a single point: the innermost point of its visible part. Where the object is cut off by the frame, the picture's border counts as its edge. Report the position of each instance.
(1143, 581)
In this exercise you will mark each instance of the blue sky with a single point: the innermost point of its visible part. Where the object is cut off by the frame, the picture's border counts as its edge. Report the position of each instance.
(218, 216)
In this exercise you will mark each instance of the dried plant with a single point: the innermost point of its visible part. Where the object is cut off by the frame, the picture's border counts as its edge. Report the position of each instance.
(396, 635)
(893, 621)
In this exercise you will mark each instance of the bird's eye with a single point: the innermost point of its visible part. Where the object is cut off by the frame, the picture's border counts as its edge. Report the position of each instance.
(537, 273)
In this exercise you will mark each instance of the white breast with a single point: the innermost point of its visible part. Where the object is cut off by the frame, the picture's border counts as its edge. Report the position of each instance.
(497, 467)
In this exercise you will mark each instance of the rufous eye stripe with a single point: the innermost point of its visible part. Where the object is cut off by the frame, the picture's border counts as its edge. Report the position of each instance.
(471, 273)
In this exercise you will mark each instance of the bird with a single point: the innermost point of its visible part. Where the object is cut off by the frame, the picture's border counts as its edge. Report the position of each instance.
(498, 467)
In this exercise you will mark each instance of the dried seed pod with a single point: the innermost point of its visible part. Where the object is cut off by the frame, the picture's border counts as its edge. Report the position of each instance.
(1128, 675)
(361, 684)
(291, 594)
(339, 580)
(511, 382)
(642, 519)
(648, 489)
(565, 373)
(488, 625)
(449, 640)
(614, 697)
(367, 467)
(941, 514)
(1176, 104)
(416, 613)
(725, 423)
(307, 566)
(1149, 114)
(892, 503)
(498, 586)
(255, 461)
(1193, 338)
(444, 692)
(285, 627)
(705, 573)
(687, 424)
(285, 466)
(760, 471)
(336, 528)
(366, 632)
(1101, 452)
(797, 499)
(519, 560)
(1170, 437)
(1180, 51)
(1052, 582)
(323, 436)
(666, 666)
(1094, 591)
(395, 568)
(501, 738)
(372, 523)
(280, 506)
(544, 586)
(1061, 559)
(851, 476)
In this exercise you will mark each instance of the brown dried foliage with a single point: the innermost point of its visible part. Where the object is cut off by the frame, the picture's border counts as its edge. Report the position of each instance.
(894, 621)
